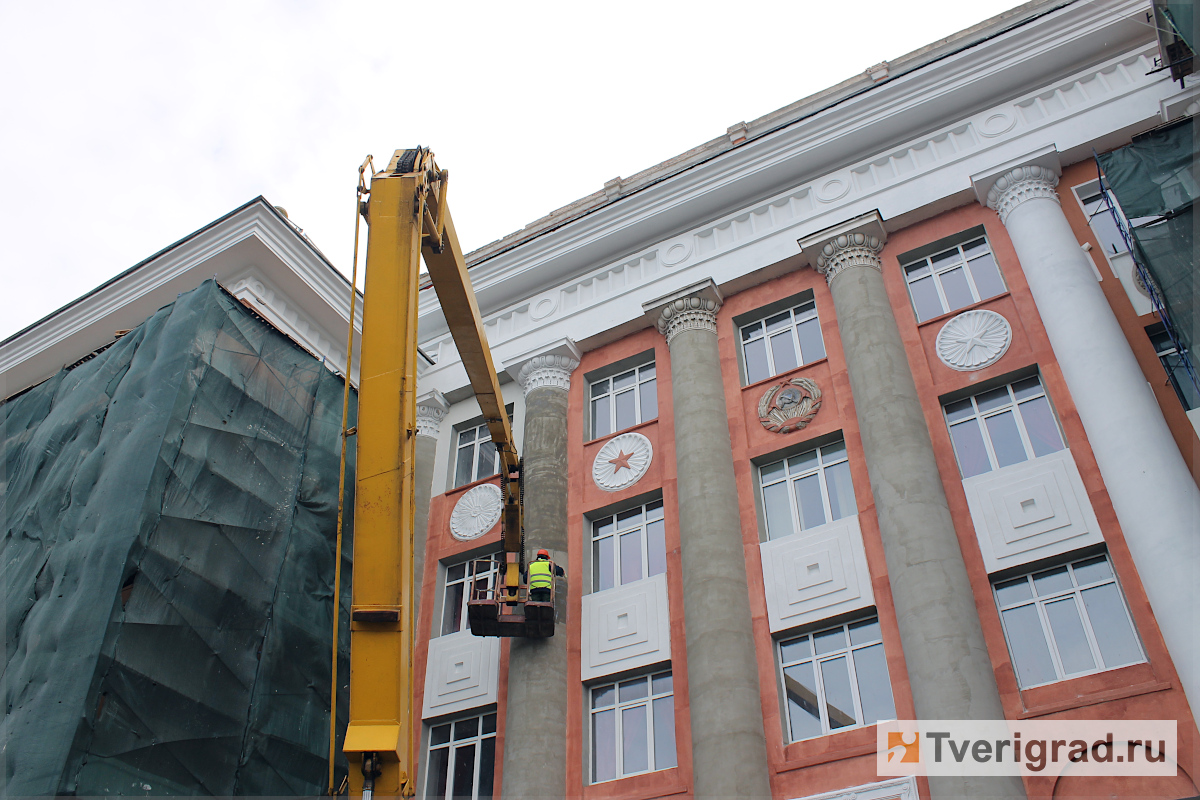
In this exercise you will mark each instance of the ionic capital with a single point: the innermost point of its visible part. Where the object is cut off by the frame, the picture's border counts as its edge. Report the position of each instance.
(548, 366)
(693, 308)
(1020, 184)
(849, 250)
(431, 410)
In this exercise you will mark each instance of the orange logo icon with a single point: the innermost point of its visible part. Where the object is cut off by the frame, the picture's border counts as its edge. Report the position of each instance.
(903, 748)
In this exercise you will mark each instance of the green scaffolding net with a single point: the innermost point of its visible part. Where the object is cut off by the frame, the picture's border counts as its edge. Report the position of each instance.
(1155, 183)
(168, 561)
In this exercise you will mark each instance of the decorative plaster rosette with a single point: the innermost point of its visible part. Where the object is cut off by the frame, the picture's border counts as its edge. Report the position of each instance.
(622, 461)
(973, 340)
(790, 405)
(476, 512)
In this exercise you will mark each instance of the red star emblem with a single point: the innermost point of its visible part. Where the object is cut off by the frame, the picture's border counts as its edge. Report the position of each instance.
(621, 461)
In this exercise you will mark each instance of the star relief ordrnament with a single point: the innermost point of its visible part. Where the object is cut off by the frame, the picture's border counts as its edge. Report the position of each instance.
(622, 461)
(973, 340)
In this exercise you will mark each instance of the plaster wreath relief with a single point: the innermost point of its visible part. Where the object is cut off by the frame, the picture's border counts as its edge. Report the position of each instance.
(973, 340)
(476, 512)
(622, 461)
(790, 405)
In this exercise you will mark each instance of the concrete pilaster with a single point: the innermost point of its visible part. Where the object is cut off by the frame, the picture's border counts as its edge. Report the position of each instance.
(949, 670)
(535, 728)
(431, 410)
(1153, 493)
(729, 755)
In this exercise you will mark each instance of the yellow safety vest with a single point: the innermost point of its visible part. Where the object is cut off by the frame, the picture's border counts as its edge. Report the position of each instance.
(541, 574)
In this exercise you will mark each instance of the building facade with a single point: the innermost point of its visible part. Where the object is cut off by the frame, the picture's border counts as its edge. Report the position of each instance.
(854, 414)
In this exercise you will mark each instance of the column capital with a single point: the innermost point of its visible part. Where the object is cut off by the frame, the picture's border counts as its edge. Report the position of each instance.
(431, 410)
(854, 243)
(692, 308)
(547, 366)
(1006, 186)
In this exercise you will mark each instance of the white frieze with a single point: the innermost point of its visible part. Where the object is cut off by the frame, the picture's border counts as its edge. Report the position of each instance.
(476, 512)
(1018, 185)
(849, 250)
(622, 461)
(790, 405)
(973, 340)
(553, 371)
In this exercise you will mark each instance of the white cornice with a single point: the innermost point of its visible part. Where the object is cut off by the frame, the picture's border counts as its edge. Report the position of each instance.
(311, 300)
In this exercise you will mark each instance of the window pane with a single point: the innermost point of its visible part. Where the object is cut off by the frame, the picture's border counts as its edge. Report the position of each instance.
(795, 649)
(629, 519)
(918, 270)
(833, 452)
(996, 398)
(1091, 571)
(466, 728)
(784, 352)
(968, 446)
(804, 717)
(750, 331)
(631, 557)
(808, 501)
(646, 373)
(467, 437)
(972, 249)
(866, 631)
(635, 752)
(656, 548)
(945, 258)
(778, 511)
(1006, 440)
(831, 640)
(1039, 423)
(604, 745)
(452, 609)
(603, 527)
(664, 733)
(802, 462)
(1051, 581)
(1110, 623)
(439, 761)
(925, 299)
(487, 460)
(812, 346)
(958, 292)
(841, 490)
(771, 472)
(649, 391)
(1013, 592)
(601, 424)
(1027, 642)
(487, 767)
(600, 387)
(874, 688)
(959, 411)
(839, 700)
(489, 723)
(464, 771)
(624, 380)
(660, 683)
(757, 368)
(626, 410)
(604, 696)
(439, 735)
(633, 690)
(603, 565)
(456, 573)
(1027, 388)
(654, 510)
(1069, 638)
(779, 322)
(462, 470)
(987, 276)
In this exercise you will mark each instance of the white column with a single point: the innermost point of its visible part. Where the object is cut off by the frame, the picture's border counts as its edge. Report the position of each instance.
(1155, 498)
(431, 410)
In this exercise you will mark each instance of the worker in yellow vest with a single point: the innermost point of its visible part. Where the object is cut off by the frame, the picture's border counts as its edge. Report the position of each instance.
(542, 572)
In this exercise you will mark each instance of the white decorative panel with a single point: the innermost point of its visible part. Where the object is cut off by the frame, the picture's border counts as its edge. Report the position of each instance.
(1031, 510)
(816, 574)
(892, 789)
(626, 627)
(463, 672)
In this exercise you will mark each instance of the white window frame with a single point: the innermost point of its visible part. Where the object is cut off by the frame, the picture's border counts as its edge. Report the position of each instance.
(617, 707)
(936, 273)
(644, 373)
(799, 314)
(789, 476)
(1075, 592)
(1013, 405)
(482, 435)
(448, 584)
(815, 659)
(452, 746)
(650, 512)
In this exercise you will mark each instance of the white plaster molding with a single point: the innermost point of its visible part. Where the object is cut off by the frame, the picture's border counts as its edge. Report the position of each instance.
(549, 366)
(461, 673)
(854, 243)
(432, 408)
(622, 461)
(1020, 184)
(476, 512)
(692, 308)
(973, 340)
(891, 789)
(626, 627)
(1030, 511)
(815, 574)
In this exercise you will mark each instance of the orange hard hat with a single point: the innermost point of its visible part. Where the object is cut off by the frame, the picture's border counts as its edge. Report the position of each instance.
(543, 554)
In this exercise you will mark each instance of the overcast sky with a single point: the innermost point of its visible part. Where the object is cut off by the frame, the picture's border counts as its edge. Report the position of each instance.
(128, 125)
